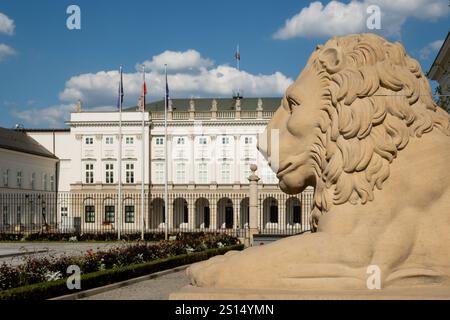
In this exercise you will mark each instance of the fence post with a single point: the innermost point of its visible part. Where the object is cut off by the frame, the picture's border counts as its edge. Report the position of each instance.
(253, 205)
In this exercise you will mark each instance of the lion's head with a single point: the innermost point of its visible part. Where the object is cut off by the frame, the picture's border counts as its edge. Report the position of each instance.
(356, 104)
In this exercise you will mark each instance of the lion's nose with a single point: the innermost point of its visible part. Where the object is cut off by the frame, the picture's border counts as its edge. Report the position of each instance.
(262, 144)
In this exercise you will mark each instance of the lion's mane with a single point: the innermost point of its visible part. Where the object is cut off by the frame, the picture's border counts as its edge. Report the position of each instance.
(376, 98)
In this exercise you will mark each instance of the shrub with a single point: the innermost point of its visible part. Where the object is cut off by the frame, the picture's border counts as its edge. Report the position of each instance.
(41, 269)
(46, 290)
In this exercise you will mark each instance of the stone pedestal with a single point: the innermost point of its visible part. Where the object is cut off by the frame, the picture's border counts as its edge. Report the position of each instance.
(419, 293)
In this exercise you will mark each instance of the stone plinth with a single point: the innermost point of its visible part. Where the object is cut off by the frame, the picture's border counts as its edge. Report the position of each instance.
(419, 293)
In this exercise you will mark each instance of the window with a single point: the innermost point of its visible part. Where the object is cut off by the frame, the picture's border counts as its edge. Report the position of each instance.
(89, 140)
(297, 214)
(180, 173)
(19, 179)
(129, 214)
(89, 173)
(203, 173)
(225, 172)
(202, 140)
(185, 213)
(109, 173)
(248, 140)
(159, 172)
(64, 212)
(6, 178)
(5, 215)
(110, 213)
(159, 141)
(274, 213)
(89, 214)
(180, 140)
(44, 182)
(109, 140)
(225, 140)
(32, 182)
(129, 140)
(52, 183)
(129, 172)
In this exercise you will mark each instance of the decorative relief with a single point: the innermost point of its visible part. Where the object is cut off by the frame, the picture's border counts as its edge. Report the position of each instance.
(89, 153)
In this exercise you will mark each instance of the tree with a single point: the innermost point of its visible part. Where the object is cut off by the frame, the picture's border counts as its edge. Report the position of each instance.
(441, 100)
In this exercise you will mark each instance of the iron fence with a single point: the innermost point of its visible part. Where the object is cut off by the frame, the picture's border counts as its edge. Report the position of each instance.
(283, 214)
(82, 213)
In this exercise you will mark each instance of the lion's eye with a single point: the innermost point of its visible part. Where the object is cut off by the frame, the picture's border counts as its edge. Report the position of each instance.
(292, 103)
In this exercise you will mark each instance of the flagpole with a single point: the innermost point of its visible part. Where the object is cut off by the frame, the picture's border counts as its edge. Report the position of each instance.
(238, 60)
(238, 65)
(165, 161)
(143, 154)
(119, 222)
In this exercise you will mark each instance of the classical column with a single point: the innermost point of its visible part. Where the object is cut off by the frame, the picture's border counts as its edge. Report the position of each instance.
(253, 205)
(192, 163)
(237, 167)
(191, 211)
(236, 206)
(213, 178)
(81, 178)
(169, 160)
(213, 213)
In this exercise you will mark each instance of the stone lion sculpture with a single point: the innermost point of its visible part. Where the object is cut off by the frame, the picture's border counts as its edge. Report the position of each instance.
(360, 126)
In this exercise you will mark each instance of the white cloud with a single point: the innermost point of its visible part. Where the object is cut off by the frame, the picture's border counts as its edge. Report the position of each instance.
(100, 89)
(6, 51)
(338, 18)
(6, 24)
(430, 48)
(176, 61)
(51, 116)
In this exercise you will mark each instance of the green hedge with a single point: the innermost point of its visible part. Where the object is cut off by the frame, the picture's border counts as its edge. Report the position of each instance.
(46, 290)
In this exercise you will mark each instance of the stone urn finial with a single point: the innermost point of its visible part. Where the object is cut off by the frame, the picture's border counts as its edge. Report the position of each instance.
(253, 176)
(237, 105)
(259, 105)
(214, 105)
(78, 107)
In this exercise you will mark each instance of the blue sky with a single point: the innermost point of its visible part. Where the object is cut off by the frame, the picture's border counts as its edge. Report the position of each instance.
(45, 68)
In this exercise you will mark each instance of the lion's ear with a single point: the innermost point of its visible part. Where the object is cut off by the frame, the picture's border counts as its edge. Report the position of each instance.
(332, 59)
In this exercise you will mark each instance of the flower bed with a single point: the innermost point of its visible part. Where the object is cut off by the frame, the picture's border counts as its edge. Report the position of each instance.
(51, 289)
(47, 269)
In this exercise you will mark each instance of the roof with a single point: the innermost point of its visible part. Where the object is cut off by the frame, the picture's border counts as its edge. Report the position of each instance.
(47, 130)
(439, 63)
(204, 104)
(19, 141)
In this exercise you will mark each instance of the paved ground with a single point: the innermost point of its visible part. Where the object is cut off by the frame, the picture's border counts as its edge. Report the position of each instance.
(49, 248)
(154, 289)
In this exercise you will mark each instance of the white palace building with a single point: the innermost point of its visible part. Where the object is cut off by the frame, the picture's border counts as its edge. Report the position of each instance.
(211, 144)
